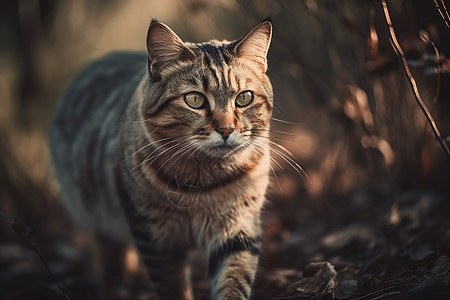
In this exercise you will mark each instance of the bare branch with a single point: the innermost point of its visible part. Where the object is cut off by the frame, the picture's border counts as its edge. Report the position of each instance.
(20, 229)
(442, 9)
(398, 49)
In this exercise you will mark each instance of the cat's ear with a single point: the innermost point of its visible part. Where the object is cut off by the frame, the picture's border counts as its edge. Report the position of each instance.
(255, 44)
(164, 47)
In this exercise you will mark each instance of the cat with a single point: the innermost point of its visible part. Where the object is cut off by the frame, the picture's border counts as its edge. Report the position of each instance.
(172, 147)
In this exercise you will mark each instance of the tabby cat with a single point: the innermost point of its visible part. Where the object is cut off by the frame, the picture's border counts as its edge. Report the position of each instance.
(172, 146)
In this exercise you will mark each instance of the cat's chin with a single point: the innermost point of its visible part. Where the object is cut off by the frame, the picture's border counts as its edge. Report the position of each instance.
(223, 151)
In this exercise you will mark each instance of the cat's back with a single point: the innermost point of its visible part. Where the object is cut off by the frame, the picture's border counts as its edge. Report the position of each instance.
(104, 86)
(86, 124)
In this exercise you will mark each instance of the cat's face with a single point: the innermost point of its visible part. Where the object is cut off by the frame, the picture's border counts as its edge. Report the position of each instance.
(212, 98)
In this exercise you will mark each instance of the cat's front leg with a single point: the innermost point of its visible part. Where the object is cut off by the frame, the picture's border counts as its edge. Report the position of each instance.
(169, 273)
(232, 266)
(166, 267)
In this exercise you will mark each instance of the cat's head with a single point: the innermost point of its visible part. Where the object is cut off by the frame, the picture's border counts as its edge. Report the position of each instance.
(215, 97)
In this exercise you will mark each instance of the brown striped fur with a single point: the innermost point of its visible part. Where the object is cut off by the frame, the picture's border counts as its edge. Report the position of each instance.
(127, 149)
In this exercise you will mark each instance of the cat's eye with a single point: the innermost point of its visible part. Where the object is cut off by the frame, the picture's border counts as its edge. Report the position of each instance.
(244, 99)
(195, 99)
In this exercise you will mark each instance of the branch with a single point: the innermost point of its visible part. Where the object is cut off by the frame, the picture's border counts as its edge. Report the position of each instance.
(398, 49)
(17, 226)
(441, 10)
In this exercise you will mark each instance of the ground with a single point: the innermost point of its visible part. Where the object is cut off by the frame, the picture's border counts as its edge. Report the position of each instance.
(378, 243)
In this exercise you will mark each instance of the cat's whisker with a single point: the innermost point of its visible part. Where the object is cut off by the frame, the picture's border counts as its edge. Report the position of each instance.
(157, 127)
(275, 131)
(260, 152)
(149, 156)
(272, 160)
(272, 138)
(142, 148)
(245, 144)
(177, 140)
(194, 146)
(272, 118)
(287, 159)
(185, 149)
(285, 122)
(182, 150)
(198, 148)
(277, 165)
(198, 145)
(155, 157)
(282, 148)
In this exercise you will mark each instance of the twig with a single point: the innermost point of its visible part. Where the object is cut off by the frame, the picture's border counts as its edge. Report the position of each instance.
(441, 10)
(437, 61)
(398, 49)
(61, 289)
(19, 229)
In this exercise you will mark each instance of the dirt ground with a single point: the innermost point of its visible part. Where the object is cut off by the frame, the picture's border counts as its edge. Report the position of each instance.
(378, 243)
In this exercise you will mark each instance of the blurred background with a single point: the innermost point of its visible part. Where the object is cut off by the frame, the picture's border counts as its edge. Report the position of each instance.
(344, 109)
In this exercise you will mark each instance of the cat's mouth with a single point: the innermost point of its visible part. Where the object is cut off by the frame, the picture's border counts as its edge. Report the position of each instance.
(224, 149)
(216, 145)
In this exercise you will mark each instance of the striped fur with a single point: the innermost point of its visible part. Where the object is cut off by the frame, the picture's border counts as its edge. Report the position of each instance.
(130, 153)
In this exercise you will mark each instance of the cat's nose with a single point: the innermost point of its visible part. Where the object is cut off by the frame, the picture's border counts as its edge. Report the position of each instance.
(225, 132)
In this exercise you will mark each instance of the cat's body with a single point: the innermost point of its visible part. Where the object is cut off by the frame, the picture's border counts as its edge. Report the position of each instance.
(177, 148)
(85, 132)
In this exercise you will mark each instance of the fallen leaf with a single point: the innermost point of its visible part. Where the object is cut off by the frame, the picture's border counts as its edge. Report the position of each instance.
(318, 280)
